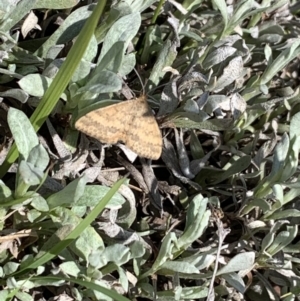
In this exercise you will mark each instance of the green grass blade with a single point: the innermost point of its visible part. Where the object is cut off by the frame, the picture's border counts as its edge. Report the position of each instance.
(57, 249)
(60, 82)
(88, 284)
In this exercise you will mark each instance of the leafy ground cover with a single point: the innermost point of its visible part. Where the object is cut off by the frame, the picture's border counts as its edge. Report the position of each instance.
(216, 216)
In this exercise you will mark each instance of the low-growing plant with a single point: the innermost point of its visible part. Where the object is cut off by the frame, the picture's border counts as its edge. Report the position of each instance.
(217, 216)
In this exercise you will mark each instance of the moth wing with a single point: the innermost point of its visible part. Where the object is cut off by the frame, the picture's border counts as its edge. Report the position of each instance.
(143, 135)
(108, 124)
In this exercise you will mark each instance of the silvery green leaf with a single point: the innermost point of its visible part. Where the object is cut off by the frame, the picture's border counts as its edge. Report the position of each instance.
(147, 288)
(214, 102)
(6, 6)
(137, 249)
(280, 155)
(191, 33)
(194, 292)
(33, 215)
(174, 23)
(102, 82)
(238, 165)
(128, 212)
(279, 158)
(200, 261)
(52, 68)
(196, 222)
(228, 40)
(267, 241)
(29, 23)
(139, 5)
(257, 202)
(38, 156)
(123, 30)
(28, 285)
(170, 267)
(213, 26)
(94, 193)
(11, 282)
(68, 30)
(183, 159)
(281, 61)
(166, 57)
(283, 239)
(292, 158)
(15, 11)
(236, 281)
(196, 147)
(238, 105)
(165, 252)
(265, 150)
(240, 261)
(95, 259)
(88, 241)
(272, 38)
(278, 6)
(190, 6)
(191, 80)
(123, 254)
(294, 127)
(292, 193)
(113, 59)
(177, 290)
(35, 84)
(285, 214)
(202, 100)
(191, 106)
(10, 267)
(278, 193)
(39, 203)
(221, 5)
(55, 4)
(128, 64)
(4, 294)
(22, 296)
(197, 206)
(5, 192)
(23, 132)
(123, 279)
(17, 94)
(231, 72)
(98, 295)
(243, 7)
(69, 195)
(270, 28)
(152, 41)
(169, 99)
(264, 89)
(187, 121)
(70, 268)
(82, 71)
(88, 102)
(3, 55)
(269, 238)
(243, 49)
(218, 56)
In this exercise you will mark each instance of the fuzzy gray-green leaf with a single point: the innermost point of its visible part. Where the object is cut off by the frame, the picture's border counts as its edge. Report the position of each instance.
(23, 132)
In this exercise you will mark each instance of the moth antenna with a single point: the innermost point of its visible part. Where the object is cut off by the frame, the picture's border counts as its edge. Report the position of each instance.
(143, 86)
(157, 87)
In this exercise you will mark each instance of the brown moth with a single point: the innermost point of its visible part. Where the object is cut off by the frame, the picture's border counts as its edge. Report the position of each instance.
(131, 122)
